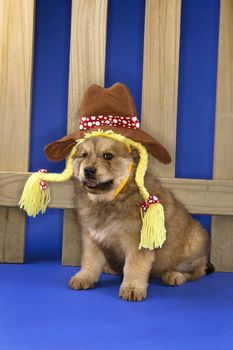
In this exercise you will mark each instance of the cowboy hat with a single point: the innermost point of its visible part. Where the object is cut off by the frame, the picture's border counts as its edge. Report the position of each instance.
(102, 103)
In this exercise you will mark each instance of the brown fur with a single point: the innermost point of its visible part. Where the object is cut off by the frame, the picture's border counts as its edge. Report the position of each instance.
(111, 227)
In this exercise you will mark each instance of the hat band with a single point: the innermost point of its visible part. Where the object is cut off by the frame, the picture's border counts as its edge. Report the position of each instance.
(90, 122)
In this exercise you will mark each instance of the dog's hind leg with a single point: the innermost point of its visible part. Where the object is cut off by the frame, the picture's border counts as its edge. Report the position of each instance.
(173, 278)
(200, 272)
(176, 278)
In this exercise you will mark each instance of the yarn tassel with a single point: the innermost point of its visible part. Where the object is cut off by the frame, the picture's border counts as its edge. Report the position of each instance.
(36, 195)
(153, 233)
(34, 199)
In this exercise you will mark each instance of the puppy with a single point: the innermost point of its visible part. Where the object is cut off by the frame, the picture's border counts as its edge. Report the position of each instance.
(111, 224)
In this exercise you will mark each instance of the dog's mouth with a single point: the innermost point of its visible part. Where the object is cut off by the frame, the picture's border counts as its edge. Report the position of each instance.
(95, 186)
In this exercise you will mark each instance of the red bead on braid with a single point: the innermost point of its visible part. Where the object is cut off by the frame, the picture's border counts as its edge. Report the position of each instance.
(152, 199)
(43, 184)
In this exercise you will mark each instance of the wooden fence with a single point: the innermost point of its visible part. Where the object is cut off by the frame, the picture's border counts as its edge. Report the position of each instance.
(159, 110)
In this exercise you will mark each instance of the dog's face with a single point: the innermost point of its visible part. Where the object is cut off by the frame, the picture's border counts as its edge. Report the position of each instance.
(101, 165)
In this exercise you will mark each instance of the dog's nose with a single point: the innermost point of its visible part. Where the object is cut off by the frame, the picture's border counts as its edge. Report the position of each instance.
(89, 172)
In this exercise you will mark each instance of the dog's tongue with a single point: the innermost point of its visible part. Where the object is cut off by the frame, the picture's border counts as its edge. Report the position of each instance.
(92, 183)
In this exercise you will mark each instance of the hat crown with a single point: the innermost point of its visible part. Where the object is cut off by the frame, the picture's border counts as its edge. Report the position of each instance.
(115, 100)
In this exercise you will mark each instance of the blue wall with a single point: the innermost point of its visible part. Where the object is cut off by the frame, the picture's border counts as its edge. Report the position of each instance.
(49, 111)
(124, 57)
(197, 91)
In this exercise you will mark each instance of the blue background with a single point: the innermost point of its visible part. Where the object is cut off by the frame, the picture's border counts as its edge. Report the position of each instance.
(124, 60)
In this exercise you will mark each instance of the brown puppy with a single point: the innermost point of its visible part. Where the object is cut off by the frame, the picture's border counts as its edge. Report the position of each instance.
(112, 224)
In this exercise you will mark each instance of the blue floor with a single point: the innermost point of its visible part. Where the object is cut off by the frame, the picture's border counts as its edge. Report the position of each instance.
(38, 311)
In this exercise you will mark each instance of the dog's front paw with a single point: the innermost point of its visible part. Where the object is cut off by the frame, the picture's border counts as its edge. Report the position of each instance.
(81, 282)
(132, 294)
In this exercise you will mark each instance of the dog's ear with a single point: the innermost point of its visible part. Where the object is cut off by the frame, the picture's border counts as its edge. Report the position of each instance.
(156, 150)
(135, 154)
(59, 150)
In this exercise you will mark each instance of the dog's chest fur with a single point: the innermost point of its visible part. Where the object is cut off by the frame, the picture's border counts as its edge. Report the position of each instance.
(109, 223)
(106, 223)
(102, 235)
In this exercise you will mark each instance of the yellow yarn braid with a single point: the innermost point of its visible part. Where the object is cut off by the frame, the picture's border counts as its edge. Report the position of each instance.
(33, 200)
(153, 233)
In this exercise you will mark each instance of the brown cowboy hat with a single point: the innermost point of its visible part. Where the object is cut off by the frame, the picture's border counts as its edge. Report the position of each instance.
(114, 101)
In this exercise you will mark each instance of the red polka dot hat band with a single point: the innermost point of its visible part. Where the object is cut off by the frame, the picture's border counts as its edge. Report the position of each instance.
(89, 122)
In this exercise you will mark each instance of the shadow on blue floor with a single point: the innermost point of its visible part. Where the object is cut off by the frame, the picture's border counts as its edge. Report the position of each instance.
(38, 311)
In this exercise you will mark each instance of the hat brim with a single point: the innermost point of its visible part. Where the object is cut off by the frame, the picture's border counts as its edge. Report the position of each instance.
(60, 149)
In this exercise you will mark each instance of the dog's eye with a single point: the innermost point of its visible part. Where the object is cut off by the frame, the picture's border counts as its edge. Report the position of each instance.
(108, 156)
(84, 155)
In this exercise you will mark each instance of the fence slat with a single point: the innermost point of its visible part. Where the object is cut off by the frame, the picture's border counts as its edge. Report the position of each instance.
(87, 66)
(222, 227)
(160, 76)
(199, 196)
(16, 48)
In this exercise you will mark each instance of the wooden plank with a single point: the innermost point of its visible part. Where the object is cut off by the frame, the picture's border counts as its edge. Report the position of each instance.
(12, 240)
(87, 52)
(16, 49)
(71, 252)
(203, 196)
(87, 66)
(222, 228)
(160, 76)
(222, 243)
(199, 196)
